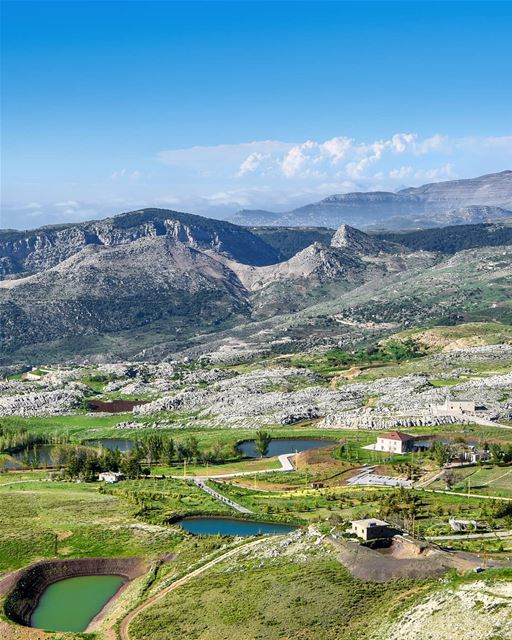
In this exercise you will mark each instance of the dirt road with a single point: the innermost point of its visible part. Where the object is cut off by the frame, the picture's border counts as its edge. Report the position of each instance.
(125, 623)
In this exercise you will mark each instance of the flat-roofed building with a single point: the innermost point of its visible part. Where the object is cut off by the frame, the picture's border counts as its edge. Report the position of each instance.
(453, 408)
(372, 528)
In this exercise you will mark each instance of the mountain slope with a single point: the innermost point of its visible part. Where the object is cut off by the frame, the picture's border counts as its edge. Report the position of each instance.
(103, 290)
(158, 294)
(453, 238)
(288, 241)
(356, 241)
(493, 189)
(26, 252)
(436, 203)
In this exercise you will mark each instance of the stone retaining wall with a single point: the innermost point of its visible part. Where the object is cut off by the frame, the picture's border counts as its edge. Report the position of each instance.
(31, 583)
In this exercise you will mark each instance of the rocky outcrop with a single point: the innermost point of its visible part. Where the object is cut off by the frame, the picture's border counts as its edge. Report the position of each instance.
(356, 241)
(31, 583)
(375, 422)
(50, 403)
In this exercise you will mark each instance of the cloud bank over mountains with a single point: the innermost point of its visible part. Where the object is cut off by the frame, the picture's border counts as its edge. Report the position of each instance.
(270, 174)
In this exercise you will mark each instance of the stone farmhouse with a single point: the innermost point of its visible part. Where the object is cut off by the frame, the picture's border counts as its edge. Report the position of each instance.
(456, 408)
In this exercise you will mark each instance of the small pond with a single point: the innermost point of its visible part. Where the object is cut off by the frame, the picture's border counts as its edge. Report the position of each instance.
(207, 526)
(39, 454)
(279, 446)
(112, 443)
(70, 604)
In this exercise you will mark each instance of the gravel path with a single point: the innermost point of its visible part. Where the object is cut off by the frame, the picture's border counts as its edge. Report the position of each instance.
(218, 496)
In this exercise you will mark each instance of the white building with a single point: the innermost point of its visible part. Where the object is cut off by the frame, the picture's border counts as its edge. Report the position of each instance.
(395, 442)
(110, 476)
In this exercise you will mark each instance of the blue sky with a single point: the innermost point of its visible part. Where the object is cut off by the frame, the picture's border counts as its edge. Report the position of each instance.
(213, 106)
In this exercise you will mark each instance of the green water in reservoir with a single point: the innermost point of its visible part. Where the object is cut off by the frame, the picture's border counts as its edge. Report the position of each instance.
(70, 604)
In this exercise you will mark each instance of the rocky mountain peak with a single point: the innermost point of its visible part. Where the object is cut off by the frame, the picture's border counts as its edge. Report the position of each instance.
(355, 241)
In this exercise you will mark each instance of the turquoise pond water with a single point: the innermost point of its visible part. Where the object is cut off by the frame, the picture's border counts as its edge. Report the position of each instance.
(70, 604)
(232, 527)
(279, 446)
(112, 443)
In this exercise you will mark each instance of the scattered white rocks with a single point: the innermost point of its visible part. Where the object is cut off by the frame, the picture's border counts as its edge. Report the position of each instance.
(366, 419)
(49, 403)
(478, 610)
(488, 353)
(158, 424)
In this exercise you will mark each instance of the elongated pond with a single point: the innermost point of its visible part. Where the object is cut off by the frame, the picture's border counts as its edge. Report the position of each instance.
(232, 527)
(284, 445)
(113, 443)
(70, 604)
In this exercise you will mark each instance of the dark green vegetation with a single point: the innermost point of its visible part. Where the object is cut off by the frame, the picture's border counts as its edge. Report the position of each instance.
(451, 239)
(288, 241)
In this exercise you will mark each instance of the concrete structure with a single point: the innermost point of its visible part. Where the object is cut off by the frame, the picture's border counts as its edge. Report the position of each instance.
(371, 529)
(110, 476)
(395, 442)
(453, 408)
(463, 525)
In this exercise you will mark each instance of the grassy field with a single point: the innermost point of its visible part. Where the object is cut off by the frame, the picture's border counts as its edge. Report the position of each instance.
(485, 480)
(308, 596)
(244, 466)
(38, 518)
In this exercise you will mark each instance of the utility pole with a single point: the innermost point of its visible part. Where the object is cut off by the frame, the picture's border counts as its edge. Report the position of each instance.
(296, 460)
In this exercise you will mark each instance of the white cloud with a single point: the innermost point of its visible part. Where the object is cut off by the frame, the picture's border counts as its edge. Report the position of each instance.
(251, 163)
(124, 174)
(68, 204)
(267, 174)
(401, 173)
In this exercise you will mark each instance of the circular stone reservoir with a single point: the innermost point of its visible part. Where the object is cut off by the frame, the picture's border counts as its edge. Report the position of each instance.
(211, 526)
(66, 595)
(283, 445)
(71, 604)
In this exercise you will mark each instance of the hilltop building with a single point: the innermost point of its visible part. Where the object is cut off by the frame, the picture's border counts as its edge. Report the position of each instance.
(456, 408)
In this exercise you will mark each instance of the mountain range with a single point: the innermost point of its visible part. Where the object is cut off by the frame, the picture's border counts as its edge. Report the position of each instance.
(156, 283)
(482, 199)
